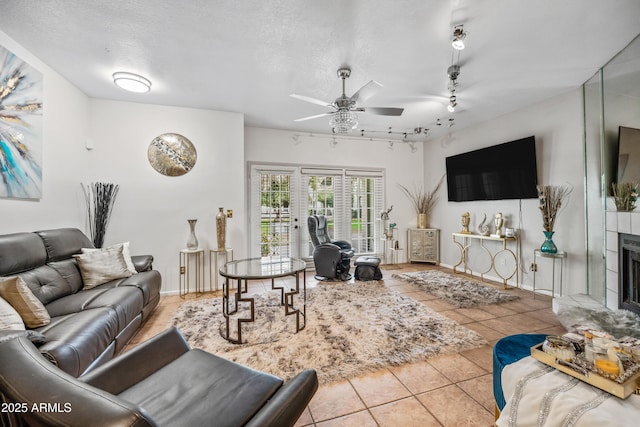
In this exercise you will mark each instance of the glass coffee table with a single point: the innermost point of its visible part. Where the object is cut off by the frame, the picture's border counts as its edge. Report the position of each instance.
(243, 270)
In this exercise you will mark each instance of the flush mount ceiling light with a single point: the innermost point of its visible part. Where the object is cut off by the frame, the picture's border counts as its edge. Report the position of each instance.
(131, 82)
(458, 37)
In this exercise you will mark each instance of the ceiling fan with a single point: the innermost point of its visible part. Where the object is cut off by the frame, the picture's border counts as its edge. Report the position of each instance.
(344, 108)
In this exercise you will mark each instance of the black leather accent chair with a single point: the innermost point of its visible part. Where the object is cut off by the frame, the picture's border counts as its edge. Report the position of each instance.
(161, 382)
(332, 258)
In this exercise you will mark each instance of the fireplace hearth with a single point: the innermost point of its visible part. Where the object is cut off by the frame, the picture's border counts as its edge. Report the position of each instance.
(629, 273)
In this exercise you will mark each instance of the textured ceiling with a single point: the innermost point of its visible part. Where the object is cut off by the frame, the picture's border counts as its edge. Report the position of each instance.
(249, 56)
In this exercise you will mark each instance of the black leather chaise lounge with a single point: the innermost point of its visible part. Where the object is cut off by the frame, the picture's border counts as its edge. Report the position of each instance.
(161, 382)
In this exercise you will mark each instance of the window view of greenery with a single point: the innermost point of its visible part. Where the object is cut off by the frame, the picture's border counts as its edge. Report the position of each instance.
(320, 192)
(275, 218)
(363, 215)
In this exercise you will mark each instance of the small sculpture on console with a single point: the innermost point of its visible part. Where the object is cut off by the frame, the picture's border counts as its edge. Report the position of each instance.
(499, 222)
(387, 230)
(466, 219)
(483, 229)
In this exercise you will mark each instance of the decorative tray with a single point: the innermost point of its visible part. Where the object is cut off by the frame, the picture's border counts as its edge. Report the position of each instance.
(621, 388)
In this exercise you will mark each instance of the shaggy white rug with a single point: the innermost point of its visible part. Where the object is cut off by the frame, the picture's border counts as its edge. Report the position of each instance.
(619, 323)
(455, 290)
(351, 328)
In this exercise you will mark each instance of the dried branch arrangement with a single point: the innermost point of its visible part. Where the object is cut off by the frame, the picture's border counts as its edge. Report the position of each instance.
(551, 198)
(99, 197)
(423, 201)
(625, 195)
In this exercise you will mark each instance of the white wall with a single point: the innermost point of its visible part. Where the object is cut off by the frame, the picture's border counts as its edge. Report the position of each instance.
(151, 209)
(558, 129)
(401, 166)
(64, 132)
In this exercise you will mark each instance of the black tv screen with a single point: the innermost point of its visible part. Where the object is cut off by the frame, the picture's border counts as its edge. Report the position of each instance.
(503, 171)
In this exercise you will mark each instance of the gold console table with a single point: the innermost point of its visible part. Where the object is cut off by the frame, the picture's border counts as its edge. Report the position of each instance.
(463, 241)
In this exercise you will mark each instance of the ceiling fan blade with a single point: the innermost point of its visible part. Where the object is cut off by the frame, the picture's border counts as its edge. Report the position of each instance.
(313, 117)
(311, 100)
(383, 111)
(367, 91)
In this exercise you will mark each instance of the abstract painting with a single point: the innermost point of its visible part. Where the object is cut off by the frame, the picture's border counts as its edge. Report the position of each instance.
(172, 154)
(20, 128)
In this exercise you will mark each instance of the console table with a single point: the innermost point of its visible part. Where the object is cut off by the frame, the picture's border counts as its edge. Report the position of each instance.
(463, 241)
(187, 257)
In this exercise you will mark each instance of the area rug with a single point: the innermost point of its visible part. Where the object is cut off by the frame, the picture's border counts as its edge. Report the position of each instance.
(351, 328)
(618, 323)
(455, 290)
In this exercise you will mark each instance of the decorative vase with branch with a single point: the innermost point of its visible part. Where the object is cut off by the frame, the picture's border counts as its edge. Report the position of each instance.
(551, 198)
(625, 195)
(99, 197)
(423, 201)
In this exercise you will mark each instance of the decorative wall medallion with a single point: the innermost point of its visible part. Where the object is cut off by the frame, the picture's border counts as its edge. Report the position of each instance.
(172, 154)
(20, 128)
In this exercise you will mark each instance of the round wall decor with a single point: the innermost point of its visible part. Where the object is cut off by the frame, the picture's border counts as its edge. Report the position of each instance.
(172, 154)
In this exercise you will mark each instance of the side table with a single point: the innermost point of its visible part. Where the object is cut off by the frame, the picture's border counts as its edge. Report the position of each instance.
(561, 256)
(214, 265)
(187, 258)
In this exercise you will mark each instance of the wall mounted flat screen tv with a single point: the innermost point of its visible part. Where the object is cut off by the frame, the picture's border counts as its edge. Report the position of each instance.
(503, 171)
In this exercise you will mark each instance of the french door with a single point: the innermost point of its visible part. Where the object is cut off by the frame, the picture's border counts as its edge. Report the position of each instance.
(283, 197)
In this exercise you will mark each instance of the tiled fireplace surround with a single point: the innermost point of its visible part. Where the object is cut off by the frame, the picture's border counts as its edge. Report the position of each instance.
(617, 222)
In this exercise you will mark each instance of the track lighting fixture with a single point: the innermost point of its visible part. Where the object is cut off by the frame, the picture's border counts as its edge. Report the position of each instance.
(452, 104)
(458, 37)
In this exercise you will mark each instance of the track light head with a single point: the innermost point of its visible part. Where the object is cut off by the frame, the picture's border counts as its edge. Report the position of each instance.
(458, 37)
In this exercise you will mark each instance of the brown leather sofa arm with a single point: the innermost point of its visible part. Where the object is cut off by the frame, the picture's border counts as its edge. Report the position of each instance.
(286, 406)
(137, 364)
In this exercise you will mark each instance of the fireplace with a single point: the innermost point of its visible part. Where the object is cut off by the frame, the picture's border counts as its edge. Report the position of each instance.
(629, 273)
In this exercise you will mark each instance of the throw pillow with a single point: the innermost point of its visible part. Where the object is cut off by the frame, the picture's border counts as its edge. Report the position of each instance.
(9, 317)
(102, 266)
(17, 293)
(126, 254)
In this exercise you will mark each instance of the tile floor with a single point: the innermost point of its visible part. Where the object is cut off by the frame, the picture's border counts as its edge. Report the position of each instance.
(448, 390)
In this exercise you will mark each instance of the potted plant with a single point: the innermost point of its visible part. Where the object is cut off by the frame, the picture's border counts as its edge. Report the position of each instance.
(423, 201)
(625, 195)
(551, 199)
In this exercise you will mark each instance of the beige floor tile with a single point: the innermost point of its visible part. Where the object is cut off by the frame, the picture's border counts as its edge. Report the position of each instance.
(453, 407)
(406, 413)
(481, 356)
(481, 390)
(456, 367)
(438, 305)
(379, 387)
(359, 419)
(305, 419)
(335, 400)
(516, 324)
(487, 333)
(498, 310)
(456, 316)
(419, 377)
(476, 314)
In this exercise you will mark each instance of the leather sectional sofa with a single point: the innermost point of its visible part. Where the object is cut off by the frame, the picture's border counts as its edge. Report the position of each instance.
(88, 326)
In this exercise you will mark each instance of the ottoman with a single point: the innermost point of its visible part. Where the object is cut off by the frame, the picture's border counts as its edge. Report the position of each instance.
(368, 268)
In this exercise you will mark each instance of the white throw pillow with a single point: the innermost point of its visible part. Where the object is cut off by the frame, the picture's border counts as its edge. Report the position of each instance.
(9, 317)
(126, 254)
(102, 266)
(17, 293)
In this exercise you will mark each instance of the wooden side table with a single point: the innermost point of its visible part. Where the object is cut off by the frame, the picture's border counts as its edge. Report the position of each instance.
(187, 258)
(214, 265)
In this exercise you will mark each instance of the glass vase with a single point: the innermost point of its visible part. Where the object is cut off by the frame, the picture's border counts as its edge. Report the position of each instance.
(548, 246)
(192, 241)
